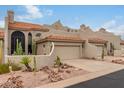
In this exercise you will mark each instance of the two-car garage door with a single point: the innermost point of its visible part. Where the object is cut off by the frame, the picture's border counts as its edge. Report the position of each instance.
(99, 50)
(67, 51)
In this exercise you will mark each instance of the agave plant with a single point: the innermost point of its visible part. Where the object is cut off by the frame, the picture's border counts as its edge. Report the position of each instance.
(26, 61)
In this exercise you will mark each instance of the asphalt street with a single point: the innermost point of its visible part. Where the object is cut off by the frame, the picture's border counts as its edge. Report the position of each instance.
(112, 80)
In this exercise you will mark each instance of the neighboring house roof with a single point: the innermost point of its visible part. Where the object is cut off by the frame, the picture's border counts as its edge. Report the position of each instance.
(26, 26)
(122, 42)
(97, 41)
(61, 38)
(1, 34)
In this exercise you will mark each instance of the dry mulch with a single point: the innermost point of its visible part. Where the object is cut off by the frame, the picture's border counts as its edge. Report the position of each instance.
(44, 76)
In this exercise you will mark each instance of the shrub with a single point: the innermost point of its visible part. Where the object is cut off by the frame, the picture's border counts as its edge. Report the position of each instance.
(26, 61)
(58, 62)
(15, 67)
(4, 68)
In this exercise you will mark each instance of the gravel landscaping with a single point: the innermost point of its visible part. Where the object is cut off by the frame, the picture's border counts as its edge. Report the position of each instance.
(118, 61)
(43, 76)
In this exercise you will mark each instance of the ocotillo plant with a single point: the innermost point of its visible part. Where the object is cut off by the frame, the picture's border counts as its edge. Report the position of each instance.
(35, 66)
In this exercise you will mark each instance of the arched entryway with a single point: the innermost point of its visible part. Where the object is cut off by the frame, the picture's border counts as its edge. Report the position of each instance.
(21, 38)
(29, 43)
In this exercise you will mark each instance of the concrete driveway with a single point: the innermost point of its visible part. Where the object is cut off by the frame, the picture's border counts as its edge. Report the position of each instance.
(96, 68)
(93, 65)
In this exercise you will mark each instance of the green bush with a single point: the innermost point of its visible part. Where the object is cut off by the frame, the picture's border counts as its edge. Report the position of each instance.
(4, 68)
(58, 62)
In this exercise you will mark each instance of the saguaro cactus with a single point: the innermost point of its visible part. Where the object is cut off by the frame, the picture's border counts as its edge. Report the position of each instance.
(19, 50)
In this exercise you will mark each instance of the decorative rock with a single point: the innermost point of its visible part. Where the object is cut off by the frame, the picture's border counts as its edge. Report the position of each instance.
(68, 71)
(12, 82)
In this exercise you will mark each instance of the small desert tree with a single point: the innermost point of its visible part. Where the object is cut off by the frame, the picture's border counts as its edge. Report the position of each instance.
(26, 61)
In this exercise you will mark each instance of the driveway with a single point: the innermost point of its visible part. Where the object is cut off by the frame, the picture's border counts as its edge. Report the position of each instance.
(93, 65)
(106, 74)
(98, 71)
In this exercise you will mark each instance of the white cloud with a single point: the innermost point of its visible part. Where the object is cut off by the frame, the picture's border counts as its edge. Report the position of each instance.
(109, 24)
(116, 25)
(48, 12)
(32, 12)
(1, 23)
(119, 17)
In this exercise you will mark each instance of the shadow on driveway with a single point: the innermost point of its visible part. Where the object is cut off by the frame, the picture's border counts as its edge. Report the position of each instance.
(113, 80)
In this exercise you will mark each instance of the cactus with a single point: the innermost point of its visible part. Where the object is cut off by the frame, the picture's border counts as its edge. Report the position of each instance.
(35, 66)
(19, 50)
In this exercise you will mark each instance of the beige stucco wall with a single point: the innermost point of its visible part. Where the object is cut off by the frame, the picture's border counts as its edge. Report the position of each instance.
(44, 48)
(86, 32)
(90, 50)
(62, 30)
(117, 52)
(122, 50)
(41, 60)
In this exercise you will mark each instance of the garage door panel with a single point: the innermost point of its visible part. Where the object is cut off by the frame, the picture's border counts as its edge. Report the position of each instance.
(67, 52)
(99, 50)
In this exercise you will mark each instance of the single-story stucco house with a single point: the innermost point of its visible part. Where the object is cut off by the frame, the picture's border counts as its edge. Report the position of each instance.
(68, 43)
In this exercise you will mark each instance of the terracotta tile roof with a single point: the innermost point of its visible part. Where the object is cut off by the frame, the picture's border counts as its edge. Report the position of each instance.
(26, 26)
(122, 42)
(1, 34)
(97, 41)
(61, 38)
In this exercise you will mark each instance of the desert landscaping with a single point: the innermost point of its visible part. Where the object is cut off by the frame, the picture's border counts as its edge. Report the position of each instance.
(39, 77)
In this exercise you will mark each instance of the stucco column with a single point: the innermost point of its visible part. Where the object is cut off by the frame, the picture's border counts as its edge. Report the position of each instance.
(81, 51)
(26, 43)
(6, 40)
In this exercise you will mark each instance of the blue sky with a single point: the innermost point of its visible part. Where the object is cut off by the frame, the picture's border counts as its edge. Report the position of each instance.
(109, 17)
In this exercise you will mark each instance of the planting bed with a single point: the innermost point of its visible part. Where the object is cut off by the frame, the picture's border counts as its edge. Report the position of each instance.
(43, 76)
